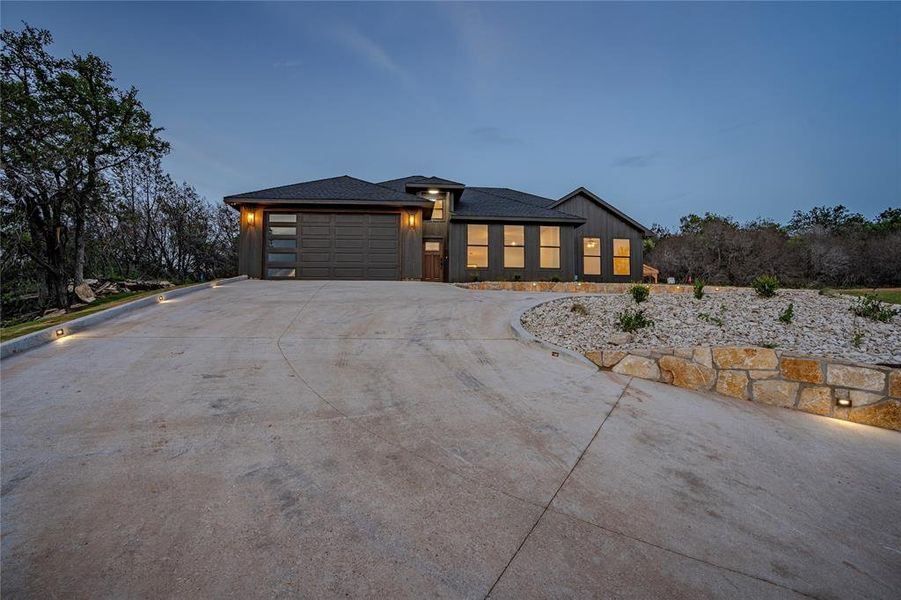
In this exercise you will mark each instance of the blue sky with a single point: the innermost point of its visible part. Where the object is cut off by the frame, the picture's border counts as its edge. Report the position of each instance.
(662, 109)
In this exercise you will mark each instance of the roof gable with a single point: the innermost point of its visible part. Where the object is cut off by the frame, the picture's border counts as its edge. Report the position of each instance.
(581, 191)
(420, 181)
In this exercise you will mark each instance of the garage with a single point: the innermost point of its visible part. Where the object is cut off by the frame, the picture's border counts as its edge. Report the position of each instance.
(334, 245)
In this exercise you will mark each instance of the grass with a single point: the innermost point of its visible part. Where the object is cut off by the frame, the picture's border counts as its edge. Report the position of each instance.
(19, 329)
(890, 295)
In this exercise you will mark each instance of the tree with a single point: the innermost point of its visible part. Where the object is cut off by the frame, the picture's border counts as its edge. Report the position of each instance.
(65, 126)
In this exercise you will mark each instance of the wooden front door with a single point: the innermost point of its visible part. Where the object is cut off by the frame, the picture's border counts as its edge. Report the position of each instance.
(432, 261)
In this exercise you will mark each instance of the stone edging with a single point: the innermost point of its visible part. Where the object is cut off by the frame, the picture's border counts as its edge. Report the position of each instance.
(44, 336)
(582, 287)
(809, 384)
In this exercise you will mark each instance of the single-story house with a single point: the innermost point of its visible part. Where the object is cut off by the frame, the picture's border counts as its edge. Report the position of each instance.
(433, 229)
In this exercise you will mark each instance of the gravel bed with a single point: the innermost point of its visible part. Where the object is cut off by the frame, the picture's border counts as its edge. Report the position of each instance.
(822, 325)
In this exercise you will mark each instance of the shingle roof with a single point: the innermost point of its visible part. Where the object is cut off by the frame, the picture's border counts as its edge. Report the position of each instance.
(507, 203)
(420, 181)
(338, 189)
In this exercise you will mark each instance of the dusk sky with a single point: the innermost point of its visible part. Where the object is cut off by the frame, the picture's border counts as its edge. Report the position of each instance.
(662, 109)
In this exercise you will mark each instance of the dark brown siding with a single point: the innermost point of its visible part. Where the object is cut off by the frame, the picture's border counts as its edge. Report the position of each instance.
(496, 271)
(250, 243)
(603, 224)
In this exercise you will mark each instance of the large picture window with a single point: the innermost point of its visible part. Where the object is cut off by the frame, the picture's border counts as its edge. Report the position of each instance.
(549, 240)
(514, 246)
(477, 246)
(622, 257)
(591, 256)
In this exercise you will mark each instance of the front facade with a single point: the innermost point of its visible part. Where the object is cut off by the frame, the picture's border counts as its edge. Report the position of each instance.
(432, 229)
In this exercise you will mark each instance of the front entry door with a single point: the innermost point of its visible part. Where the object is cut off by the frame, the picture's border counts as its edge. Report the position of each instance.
(432, 263)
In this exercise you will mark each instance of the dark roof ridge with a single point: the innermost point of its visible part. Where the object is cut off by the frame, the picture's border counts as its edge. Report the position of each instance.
(521, 202)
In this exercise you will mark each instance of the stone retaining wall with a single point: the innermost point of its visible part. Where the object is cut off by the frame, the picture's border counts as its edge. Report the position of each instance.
(586, 287)
(813, 385)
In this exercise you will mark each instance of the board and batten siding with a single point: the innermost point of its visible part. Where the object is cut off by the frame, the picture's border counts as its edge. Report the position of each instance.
(603, 224)
(496, 271)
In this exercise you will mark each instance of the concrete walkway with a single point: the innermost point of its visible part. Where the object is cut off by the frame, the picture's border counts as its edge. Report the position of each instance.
(395, 440)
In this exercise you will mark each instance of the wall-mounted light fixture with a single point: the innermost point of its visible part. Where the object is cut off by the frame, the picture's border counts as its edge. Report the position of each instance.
(250, 217)
(60, 332)
(846, 402)
(411, 220)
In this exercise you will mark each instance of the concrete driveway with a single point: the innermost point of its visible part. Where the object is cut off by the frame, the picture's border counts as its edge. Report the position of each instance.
(278, 439)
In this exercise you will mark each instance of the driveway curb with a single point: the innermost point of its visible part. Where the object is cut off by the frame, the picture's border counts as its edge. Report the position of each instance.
(523, 334)
(44, 336)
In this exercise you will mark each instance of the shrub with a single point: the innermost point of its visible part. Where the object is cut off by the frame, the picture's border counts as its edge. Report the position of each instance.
(639, 293)
(788, 314)
(871, 308)
(857, 339)
(517, 277)
(555, 279)
(633, 320)
(765, 285)
(579, 309)
(699, 288)
(474, 278)
(710, 319)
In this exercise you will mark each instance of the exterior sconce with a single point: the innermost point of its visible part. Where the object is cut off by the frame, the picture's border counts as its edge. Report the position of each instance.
(845, 402)
(60, 332)
(411, 220)
(250, 217)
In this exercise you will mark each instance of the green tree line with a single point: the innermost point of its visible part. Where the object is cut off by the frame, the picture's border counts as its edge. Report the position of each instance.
(825, 246)
(82, 190)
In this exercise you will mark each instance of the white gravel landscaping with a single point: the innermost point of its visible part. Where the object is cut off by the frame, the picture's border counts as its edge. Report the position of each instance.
(822, 325)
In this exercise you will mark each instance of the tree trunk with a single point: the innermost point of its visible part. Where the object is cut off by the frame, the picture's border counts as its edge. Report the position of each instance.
(79, 246)
(54, 276)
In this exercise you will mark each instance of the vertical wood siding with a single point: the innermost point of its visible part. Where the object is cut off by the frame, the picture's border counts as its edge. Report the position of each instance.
(601, 223)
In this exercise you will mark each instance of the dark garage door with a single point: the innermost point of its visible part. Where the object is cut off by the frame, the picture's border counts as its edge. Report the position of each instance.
(332, 246)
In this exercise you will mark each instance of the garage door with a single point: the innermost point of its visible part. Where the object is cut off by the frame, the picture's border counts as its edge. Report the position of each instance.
(332, 246)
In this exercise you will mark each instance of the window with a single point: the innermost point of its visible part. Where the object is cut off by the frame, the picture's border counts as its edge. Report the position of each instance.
(281, 258)
(433, 246)
(622, 257)
(549, 239)
(282, 230)
(280, 218)
(280, 273)
(439, 199)
(283, 244)
(514, 250)
(591, 256)
(477, 246)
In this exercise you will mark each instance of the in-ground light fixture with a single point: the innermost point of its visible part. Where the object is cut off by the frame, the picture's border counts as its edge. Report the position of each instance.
(844, 402)
(60, 332)
(161, 298)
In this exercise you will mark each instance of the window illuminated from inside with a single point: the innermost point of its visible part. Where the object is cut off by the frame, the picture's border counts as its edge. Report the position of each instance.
(477, 246)
(439, 199)
(591, 256)
(514, 250)
(549, 240)
(622, 257)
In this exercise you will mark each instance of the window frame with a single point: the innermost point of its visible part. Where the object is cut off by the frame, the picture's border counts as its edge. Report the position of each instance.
(441, 197)
(586, 255)
(542, 246)
(521, 247)
(628, 257)
(470, 245)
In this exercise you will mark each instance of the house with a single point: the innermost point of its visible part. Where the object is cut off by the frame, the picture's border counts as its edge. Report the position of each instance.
(433, 229)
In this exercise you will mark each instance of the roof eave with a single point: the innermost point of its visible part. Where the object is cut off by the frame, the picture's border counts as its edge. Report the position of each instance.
(231, 200)
(519, 219)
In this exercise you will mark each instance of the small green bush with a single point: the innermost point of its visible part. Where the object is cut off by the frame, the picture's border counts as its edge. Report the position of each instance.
(710, 319)
(517, 278)
(872, 308)
(699, 288)
(632, 320)
(639, 293)
(579, 309)
(857, 339)
(788, 314)
(555, 279)
(765, 285)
